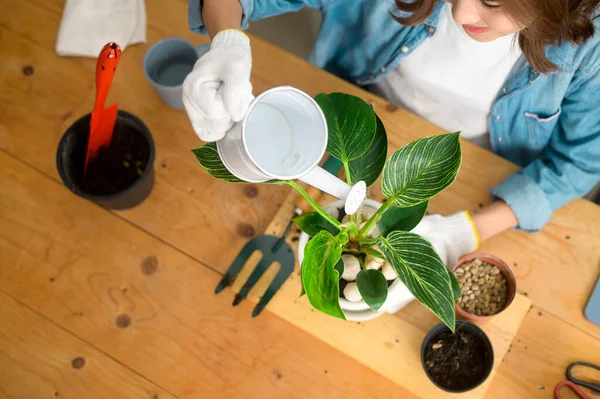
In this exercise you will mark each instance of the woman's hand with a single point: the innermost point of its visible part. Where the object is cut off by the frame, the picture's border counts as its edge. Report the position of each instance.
(451, 236)
(459, 234)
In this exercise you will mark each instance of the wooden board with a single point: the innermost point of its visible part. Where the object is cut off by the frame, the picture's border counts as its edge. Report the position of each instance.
(189, 211)
(38, 359)
(556, 268)
(389, 344)
(36, 110)
(537, 361)
(151, 307)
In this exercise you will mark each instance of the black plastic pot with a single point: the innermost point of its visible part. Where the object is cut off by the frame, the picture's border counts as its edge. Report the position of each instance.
(70, 158)
(483, 341)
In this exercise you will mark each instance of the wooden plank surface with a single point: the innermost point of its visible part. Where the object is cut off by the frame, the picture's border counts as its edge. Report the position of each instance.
(36, 109)
(556, 268)
(538, 360)
(389, 344)
(38, 359)
(152, 307)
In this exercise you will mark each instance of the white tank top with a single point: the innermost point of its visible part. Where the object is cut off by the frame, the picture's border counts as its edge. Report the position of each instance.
(452, 80)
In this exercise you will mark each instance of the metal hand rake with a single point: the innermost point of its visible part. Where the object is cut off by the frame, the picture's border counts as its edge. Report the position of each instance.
(274, 249)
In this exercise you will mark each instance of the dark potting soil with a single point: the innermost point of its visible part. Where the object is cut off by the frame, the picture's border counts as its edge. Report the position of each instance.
(456, 361)
(116, 168)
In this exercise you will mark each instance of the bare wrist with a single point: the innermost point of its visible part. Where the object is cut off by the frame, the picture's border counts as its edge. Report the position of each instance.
(494, 219)
(219, 15)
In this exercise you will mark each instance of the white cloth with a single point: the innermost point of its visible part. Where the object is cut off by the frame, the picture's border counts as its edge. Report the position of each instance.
(451, 236)
(451, 80)
(87, 25)
(218, 92)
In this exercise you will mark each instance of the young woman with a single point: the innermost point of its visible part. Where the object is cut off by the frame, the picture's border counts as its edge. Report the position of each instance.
(520, 77)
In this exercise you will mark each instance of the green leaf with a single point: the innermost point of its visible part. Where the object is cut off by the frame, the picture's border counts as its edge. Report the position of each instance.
(421, 169)
(373, 252)
(422, 271)
(342, 238)
(373, 287)
(319, 276)
(339, 266)
(455, 287)
(311, 223)
(302, 290)
(208, 156)
(351, 123)
(369, 166)
(401, 218)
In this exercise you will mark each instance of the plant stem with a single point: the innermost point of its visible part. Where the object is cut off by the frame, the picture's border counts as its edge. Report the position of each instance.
(364, 253)
(312, 203)
(374, 253)
(367, 227)
(366, 240)
(352, 230)
(354, 219)
(347, 171)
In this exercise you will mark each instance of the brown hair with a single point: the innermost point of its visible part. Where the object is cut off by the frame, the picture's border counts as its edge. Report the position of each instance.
(547, 22)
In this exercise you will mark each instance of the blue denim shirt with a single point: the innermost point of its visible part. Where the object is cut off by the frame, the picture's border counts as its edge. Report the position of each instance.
(547, 123)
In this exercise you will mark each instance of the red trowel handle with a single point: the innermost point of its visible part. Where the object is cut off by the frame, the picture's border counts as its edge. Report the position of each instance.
(103, 120)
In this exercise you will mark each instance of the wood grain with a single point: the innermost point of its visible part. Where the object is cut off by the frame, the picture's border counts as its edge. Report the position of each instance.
(539, 357)
(152, 307)
(48, 233)
(389, 344)
(186, 203)
(38, 359)
(556, 268)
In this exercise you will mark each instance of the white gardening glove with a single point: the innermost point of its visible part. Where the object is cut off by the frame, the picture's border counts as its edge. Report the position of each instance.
(452, 236)
(217, 92)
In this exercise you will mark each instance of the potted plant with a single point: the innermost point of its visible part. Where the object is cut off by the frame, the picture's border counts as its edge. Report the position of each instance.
(121, 176)
(457, 361)
(410, 177)
(487, 284)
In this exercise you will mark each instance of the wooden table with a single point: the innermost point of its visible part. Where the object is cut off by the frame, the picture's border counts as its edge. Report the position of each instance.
(101, 304)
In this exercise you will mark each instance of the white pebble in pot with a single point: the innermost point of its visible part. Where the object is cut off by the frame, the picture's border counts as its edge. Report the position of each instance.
(351, 267)
(373, 233)
(332, 211)
(388, 272)
(373, 262)
(367, 212)
(351, 292)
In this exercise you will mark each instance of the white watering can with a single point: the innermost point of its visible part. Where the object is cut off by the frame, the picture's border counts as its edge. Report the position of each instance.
(283, 137)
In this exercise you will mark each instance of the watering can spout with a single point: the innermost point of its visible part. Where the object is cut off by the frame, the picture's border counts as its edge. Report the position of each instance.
(332, 185)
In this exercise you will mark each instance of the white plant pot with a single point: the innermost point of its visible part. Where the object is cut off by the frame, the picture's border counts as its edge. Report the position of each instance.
(398, 295)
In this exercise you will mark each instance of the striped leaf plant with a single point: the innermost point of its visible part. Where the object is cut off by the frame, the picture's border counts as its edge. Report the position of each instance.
(409, 178)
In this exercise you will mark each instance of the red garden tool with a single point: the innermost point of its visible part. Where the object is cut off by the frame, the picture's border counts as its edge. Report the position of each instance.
(103, 119)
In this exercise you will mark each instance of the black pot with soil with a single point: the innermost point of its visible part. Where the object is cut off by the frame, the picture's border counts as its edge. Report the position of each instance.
(120, 177)
(457, 362)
